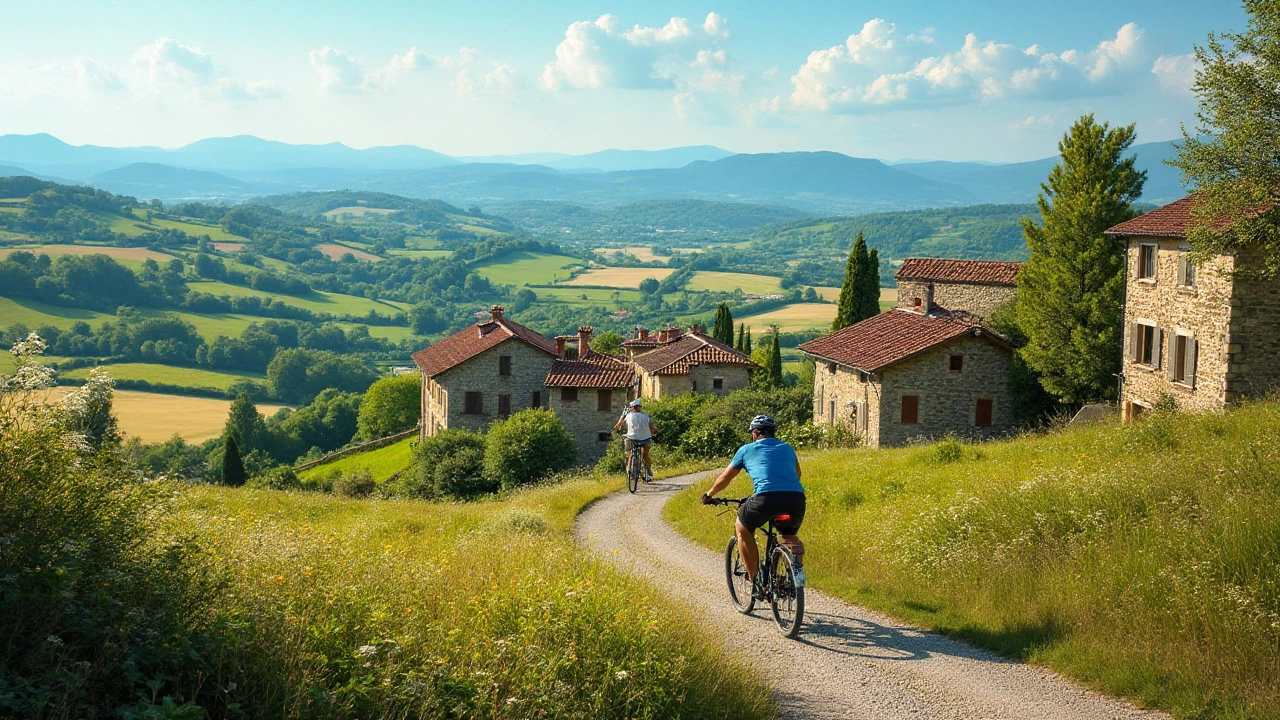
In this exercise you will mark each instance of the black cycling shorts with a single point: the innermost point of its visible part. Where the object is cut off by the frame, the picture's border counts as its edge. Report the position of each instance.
(760, 509)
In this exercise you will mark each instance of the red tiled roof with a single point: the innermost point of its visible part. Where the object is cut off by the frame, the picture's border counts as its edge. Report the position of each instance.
(1171, 220)
(984, 272)
(466, 344)
(891, 337)
(651, 341)
(593, 371)
(675, 357)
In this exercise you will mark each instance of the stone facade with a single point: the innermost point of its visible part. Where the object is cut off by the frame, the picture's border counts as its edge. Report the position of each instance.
(444, 396)
(947, 401)
(979, 299)
(589, 425)
(701, 378)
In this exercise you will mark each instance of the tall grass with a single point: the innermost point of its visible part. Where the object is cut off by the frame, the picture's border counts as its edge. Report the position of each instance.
(1142, 559)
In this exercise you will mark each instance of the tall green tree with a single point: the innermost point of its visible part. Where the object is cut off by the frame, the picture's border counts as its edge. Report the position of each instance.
(246, 425)
(723, 330)
(1233, 156)
(1071, 289)
(742, 336)
(868, 287)
(233, 473)
(389, 406)
(849, 309)
(769, 358)
(746, 348)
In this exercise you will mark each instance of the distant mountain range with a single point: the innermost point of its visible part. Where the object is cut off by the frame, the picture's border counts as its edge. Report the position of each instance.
(241, 167)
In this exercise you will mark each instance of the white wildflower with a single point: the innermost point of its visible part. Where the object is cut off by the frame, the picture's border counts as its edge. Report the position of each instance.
(622, 674)
(367, 650)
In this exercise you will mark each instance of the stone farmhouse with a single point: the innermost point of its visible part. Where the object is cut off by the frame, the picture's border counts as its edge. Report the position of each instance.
(1204, 334)
(674, 363)
(589, 391)
(975, 286)
(906, 374)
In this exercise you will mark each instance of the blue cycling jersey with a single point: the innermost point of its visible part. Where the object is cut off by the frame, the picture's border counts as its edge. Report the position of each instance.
(771, 464)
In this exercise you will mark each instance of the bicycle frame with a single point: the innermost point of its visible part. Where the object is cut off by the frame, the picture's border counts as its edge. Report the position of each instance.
(785, 592)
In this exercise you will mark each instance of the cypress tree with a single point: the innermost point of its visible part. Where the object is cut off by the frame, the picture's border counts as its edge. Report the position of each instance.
(774, 369)
(747, 347)
(854, 272)
(742, 334)
(1071, 289)
(724, 325)
(868, 289)
(232, 466)
(246, 425)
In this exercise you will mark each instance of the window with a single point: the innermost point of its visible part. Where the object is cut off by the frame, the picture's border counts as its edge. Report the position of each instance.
(982, 412)
(1186, 270)
(604, 436)
(831, 368)
(568, 394)
(536, 400)
(604, 400)
(1144, 344)
(504, 365)
(911, 409)
(1147, 261)
(695, 386)
(1182, 360)
(957, 362)
(717, 384)
(504, 405)
(473, 403)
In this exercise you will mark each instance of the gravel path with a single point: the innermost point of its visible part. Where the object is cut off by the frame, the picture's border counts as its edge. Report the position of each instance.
(848, 662)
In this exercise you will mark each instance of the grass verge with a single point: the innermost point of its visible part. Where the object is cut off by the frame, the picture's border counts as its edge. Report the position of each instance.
(1141, 559)
(381, 462)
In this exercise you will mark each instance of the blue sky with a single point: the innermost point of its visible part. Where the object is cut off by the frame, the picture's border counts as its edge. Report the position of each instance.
(951, 80)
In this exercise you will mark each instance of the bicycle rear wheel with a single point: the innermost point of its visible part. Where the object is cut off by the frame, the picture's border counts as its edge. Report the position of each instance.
(785, 598)
(735, 573)
(633, 473)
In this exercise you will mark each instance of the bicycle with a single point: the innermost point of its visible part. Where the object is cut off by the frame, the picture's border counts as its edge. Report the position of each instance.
(776, 576)
(635, 467)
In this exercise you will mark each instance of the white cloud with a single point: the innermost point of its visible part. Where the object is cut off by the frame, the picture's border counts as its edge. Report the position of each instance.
(166, 61)
(1033, 122)
(169, 69)
(342, 73)
(93, 75)
(338, 71)
(875, 69)
(595, 55)
(229, 89)
(1176, 72)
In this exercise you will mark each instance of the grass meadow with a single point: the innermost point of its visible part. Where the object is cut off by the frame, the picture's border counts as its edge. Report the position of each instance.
(317, 301)
(129, 257)
(791, 318)
(367, 608)
(156, 417)
(625, 278)
(168, 374)
(1142, 559)
(595, 296)
(381, 462)
(728, 282)
(528, 268)
(33, 314)
(335, 251)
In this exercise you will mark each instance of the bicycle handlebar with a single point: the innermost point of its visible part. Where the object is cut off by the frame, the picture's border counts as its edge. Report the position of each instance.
(726, 501)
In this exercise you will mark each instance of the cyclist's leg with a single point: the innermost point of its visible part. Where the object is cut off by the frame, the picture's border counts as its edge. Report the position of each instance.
(747, 548)
(647, 462)
(626, 448)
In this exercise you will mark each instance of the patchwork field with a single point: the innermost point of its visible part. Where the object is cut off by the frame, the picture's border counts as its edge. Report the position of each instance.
(832, 294)
(791, 318)
(34, 314)
(526, 268)
(640, 252)
(198, 229)
(381, 462)
(356, 211)
(335, 252)
(169, 375)
(155, 417)
(131, 257)
(619, 277)
(317, 301)
(728, 282)
(593, 296)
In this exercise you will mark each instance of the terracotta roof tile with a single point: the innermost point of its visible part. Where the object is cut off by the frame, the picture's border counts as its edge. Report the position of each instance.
(891, 337)
(466, 344)
(1171, 220)
(675, 357)
(593, 371)
(985, 272)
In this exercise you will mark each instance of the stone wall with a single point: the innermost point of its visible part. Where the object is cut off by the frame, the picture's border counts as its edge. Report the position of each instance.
(585, 422)
(733, 377)
(846, 396)
(660, 386)
(947, 398)
(529, 368)
(978, 299)
(1202, 311)
(1255, 334)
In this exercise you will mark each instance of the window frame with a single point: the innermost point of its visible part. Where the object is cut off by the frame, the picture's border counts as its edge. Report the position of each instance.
(1148, 254)
(535, 401)
(1186, 270)
(1184, 353)
(504, 405)
(717, 383)
(1146, 343)
(568, 395)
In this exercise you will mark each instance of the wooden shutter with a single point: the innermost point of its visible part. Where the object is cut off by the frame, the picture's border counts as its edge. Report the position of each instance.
(1182, 268)
(604, 400)
(504, 405)
(982, 413)
(862, 417)
(1171, 367)
(1134, 343)
(473, 403)
(1189, 373)
(504, 364)
(536, 400)
(1157, 346)
(910, 409)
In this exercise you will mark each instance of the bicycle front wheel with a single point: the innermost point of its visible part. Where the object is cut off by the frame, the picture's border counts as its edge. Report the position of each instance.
(735, 572)
(785, 597)
(633, 474)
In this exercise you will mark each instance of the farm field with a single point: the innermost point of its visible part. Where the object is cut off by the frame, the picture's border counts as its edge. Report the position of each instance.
(169, 375)
(34, 314)
(642, 253)
(381, 462)
(155, 417)
(421, 243)
(356, 211)
(130, 257)
(728, 282)
(228, 247)
(594, 296)
(887, 295)
(433, 254)
(394, 333)
(619, 277)
(318, 301)
(791, 318)
(197, 230)
(335, 252)
(526, 268)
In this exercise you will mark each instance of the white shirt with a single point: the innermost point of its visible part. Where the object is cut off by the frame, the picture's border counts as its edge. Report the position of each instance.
(637, 425)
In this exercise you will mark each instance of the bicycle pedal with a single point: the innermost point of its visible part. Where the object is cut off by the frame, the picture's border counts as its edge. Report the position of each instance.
(800, 578)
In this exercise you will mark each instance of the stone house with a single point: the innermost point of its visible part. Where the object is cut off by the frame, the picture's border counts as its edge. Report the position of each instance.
(1204, 334)
(906, 375)
(588, 391)
(674, 363)
(975, 286)
(489, 370)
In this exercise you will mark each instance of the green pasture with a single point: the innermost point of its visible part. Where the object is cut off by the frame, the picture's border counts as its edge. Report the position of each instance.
(169, 375)
(194, 229)
(526, 268)
(421, 243)
(594, 296)
(34, 314)
(433, 254)
(318, 301)
(381, 462)
(728, 282)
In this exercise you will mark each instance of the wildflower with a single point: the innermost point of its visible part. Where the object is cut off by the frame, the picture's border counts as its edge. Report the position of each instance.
(367, 650)
(622, 674)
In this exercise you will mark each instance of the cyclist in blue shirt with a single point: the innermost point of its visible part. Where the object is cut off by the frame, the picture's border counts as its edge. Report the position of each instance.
(775, 477)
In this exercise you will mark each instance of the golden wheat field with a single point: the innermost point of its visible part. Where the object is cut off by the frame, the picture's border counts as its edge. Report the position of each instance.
(791, 318)
(641, 252)
(116, 253)
(155, 417)
(619, 277)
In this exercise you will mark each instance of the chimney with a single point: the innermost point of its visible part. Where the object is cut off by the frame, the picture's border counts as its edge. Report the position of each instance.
(584, 342)
(495, 312)
(695, 329)
(928, 297)
(560, 348)
(644, 333)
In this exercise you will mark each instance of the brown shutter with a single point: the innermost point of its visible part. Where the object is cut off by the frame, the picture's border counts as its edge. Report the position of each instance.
(862, 417)
(1170, 367)
(504, 364)
(1189, 374)
(910, 409)
(504, 405)
(1157, 346)
(473, 403)
(604, 400)
(536, 400)
(982, 413)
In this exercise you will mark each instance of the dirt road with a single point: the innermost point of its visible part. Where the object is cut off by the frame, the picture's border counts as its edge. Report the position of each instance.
(848, 662)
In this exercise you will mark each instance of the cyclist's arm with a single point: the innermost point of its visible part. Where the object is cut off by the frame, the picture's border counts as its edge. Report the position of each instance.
(722, 482)
(797, 468)
(653, 429)
(618, 425)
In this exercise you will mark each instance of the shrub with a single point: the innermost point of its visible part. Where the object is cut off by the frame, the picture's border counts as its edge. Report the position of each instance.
(390, 405)
(527, 447)
(720, 436)
(281, 477)
(355, 484)
(451, 464)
